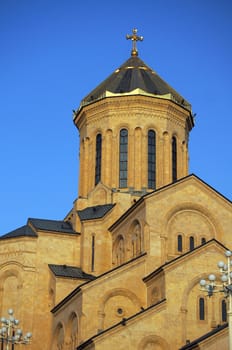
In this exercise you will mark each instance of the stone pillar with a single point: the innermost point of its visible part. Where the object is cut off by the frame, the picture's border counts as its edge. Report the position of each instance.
(115, 161)
(107, 165)
(85, 166)
(130, 159)
(143, 161)
(138, 164)
(166, 159)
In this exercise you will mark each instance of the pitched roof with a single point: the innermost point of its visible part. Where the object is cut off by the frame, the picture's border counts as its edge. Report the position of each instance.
(134, 74)
(70, 272)
(123, 322)
(40, 224)
(52, 225)
(194, 343)
(158, 190)
(161, 268)
(78, 289)
(96, 212)
(24, 231)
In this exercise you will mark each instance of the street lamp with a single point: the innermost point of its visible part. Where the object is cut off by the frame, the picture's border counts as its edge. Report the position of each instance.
(10, 334)
(225, 287)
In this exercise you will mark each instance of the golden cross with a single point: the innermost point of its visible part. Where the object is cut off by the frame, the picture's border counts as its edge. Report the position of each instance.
(134, 37)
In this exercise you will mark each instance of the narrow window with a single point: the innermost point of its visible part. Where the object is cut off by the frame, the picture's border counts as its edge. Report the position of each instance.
(119, 250)
(224, 311)
(174, 160)
(123, 155)
(98, 158)
(191, 243)
(201, 308)
(93, 253)
(179, 243)
(136, 241)
(203, 240)
(151, 159)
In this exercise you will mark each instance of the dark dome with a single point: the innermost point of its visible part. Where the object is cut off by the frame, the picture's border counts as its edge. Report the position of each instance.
(134, 74)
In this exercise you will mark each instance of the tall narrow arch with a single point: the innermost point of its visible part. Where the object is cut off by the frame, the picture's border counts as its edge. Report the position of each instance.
(223, 311)
(123, 158)
(201, 308)
(98, 159)
(174, 159)
(93, 253)
(179, 243)
(136, 239)
(119, 251)
(151, 159)
(191, 243)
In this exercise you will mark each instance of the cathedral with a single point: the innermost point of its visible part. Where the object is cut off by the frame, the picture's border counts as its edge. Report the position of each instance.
(121, 271)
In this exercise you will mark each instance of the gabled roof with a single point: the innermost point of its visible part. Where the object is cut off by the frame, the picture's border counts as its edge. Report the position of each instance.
(57, 226)
(52, 225)
(70, 272)
(78, 289)
(95, 212)
(194, 343)
(166, 187)
(24, 231)
(131, 75)
(123, 323)
(161, 268)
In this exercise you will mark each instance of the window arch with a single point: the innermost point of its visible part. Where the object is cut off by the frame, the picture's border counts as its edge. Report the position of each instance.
(136, 240)
(223, 310)
(98, 159)
(179, 243)
(123, 158)
(191, 243)
(119, 250)
(93, 253)
(201, 309)
(151, 156)
(203, 240)
(174, 159)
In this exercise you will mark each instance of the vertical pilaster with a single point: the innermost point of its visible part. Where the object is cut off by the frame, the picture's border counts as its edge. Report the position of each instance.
(86, 166)
(107, 164)
(81, 169)
(138, 164)
(159, 160)
(167, 159)
(115, 161)
(184, 159)
(143, 160)
(131, 158)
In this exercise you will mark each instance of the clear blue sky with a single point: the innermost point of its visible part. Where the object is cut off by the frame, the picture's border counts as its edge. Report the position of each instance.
(54, 52)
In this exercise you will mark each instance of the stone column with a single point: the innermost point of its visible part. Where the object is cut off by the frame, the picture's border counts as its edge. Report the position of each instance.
(166, 159)
(138, 165)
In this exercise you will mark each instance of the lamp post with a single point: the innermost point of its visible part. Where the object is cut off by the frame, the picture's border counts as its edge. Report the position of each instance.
(225, 287)
(10, 334)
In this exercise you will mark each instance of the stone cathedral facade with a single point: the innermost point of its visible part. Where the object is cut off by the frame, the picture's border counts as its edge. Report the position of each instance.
(122, 270)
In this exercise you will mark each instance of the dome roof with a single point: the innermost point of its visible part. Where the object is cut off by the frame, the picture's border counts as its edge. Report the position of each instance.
(134, 74)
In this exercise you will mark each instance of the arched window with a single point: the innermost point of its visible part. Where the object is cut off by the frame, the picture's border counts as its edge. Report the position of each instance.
(191, 243)
(119, 250)
(201, 309)
(224, 311)
(98, 158)
(136, 241)
(151, 147)
(174, 160)
(179, 243)
(203, 240)
(93, 253)
(123, 158)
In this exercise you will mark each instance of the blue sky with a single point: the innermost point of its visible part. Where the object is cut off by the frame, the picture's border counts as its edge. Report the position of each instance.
(55, 52)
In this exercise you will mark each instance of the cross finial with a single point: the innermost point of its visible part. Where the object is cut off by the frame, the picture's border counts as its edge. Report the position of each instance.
(134, 37)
